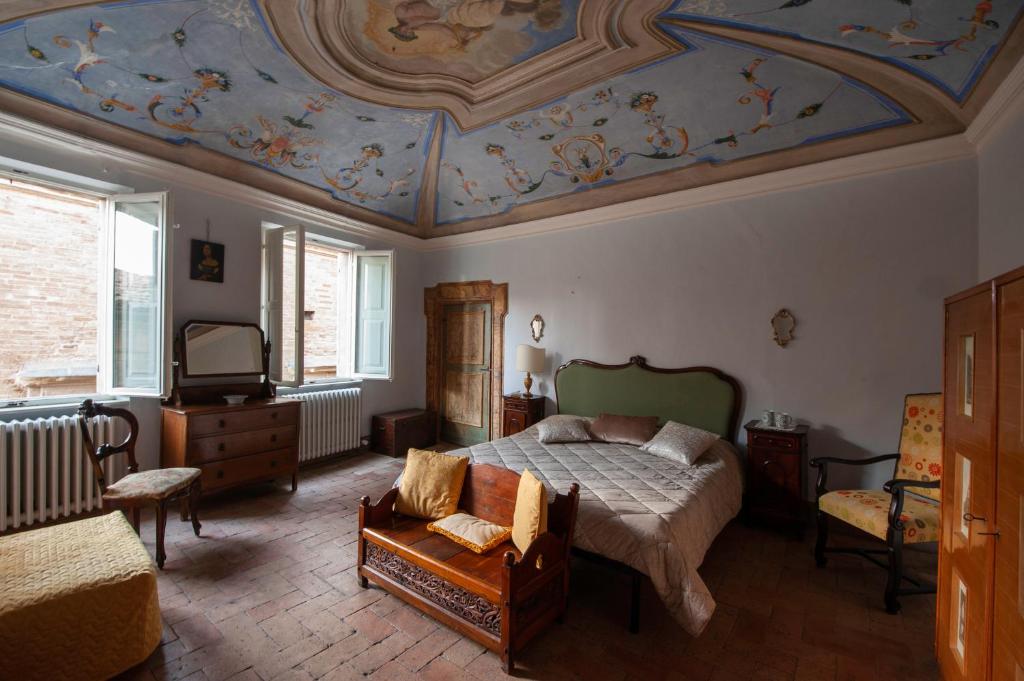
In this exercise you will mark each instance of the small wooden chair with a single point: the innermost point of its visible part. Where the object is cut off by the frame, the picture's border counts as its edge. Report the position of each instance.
(137, 489)
(905, 511)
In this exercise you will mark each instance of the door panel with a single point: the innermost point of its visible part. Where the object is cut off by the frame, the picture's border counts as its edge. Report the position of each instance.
(963, 633)
(465, 392)
(1008, 643)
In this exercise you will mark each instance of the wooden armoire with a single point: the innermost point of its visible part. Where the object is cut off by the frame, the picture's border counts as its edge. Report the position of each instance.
(980, 607)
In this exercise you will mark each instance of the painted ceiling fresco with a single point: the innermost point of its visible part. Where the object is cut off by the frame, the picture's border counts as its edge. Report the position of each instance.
(947, 42)
(751, 101)
(470, 39)
(219, 84)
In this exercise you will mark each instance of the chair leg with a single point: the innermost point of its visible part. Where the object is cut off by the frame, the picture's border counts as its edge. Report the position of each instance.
(193, 506)
(136, 518)
(183, 508)
(161, 524)
(822, 543)
(892, 603)
(295, 481)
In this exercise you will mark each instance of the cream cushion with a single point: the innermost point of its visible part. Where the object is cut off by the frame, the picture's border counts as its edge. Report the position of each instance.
(431, 484)
(680, 442)
(561, 428)
(531, 513)
(476, 534)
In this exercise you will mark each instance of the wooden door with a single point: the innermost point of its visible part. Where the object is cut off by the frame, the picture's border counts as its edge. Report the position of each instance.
(1008, 637)
(963, 627)
(466, 374)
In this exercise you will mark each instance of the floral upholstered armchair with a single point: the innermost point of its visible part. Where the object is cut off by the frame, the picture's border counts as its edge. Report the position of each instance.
(905, 511)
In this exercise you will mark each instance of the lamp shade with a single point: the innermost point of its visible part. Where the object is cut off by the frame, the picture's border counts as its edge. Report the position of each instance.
(529, 358)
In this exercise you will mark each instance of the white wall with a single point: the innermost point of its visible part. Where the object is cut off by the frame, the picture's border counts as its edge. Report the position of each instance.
(1001, 195)
(862, 264)
(237, 226)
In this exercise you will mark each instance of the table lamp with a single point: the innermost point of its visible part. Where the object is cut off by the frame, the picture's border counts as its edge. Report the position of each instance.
(529, 359)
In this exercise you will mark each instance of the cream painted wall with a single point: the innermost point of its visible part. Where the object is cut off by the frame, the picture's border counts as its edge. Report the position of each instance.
(863, 265)
(1001, 195)
(237, 226)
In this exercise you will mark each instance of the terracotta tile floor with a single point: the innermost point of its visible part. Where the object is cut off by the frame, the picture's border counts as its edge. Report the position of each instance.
(270, 592)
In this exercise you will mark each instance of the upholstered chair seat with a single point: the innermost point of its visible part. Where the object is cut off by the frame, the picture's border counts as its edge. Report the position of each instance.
(868, 510)
(151, 485)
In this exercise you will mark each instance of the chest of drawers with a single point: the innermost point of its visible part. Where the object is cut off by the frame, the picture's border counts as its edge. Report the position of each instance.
(233, 444)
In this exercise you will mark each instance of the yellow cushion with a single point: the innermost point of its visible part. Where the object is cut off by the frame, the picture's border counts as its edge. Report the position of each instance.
(921, 442)
(869, 511)
(531, 514)
(431, 484)
(474, 533)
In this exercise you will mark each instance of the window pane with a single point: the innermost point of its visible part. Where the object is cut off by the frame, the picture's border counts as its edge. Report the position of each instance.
(48, 291)
(136, 294)
(288, 312)
(326, 320)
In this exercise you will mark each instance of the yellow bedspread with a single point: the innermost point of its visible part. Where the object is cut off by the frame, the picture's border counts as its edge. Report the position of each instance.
(77, 601)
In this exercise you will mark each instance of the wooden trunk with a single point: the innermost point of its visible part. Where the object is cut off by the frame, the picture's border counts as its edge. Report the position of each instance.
(395, 432)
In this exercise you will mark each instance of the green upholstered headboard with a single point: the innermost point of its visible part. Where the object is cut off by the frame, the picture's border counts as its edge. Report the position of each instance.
(697, 396)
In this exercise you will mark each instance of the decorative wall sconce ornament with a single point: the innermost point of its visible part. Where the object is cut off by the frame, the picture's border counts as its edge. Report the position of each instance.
(783, 324)
(537, 328)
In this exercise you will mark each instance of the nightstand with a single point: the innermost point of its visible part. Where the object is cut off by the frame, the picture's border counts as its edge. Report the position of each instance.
(776, 465)
(519, 412)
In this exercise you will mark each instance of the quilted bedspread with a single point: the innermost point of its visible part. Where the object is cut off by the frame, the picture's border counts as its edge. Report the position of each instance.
(78, 600)
(651, 513)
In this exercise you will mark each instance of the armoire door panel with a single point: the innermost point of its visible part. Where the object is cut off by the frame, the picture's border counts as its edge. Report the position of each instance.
(963, 634)
(1008, 638)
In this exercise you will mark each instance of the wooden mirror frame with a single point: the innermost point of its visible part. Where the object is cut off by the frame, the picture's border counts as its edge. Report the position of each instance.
(180, 365)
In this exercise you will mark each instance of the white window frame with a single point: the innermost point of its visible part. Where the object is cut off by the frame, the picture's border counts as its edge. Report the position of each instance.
(272, 307)
(17, 407)
(105, 328)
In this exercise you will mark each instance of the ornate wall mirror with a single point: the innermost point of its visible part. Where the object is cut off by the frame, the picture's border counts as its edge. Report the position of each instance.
(537, 327)
(783, 324)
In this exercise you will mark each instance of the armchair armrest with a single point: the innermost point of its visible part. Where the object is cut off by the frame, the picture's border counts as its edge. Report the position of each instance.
(821, 463)
(375, 514)
(899, 483)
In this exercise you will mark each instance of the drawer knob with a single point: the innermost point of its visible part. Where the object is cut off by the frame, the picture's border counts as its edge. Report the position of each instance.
(273, 463)
(221, 447)
(273, 438)
(273, 415)
(220, 474)
(222, 423)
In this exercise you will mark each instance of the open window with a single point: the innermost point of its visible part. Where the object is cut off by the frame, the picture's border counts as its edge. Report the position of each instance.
(92, 274)
(327, 308)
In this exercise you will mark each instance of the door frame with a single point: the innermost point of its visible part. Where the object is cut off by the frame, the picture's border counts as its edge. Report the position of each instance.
(434, 300)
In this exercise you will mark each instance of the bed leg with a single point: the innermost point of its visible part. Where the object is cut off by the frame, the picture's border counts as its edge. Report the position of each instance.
(634, 603)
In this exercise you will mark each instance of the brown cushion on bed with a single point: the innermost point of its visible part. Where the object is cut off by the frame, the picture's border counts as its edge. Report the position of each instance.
(627, 430)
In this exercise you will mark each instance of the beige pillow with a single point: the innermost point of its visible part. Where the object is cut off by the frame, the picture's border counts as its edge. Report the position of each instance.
(680, 442)
(474, 533)
(431, 484)
(531, 515)
(627, 430)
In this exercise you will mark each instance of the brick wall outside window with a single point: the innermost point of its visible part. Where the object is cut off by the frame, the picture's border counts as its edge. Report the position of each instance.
(49, 254)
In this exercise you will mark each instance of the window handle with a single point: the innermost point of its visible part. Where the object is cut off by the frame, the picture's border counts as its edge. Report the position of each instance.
(970, 517)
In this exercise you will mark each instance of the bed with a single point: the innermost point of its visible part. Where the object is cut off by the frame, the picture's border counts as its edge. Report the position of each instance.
(639, 512)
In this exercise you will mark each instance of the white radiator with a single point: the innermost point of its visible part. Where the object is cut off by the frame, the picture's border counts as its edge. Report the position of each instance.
(45, 472)
(330, 422)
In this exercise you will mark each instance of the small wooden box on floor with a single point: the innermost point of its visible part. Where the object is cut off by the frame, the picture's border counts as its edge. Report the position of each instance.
(395, 432)
(519, 412)
(233, 444)
(776, 461)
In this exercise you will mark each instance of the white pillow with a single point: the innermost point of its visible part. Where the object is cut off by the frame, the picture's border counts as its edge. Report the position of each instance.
(563, 428)
(680, 442)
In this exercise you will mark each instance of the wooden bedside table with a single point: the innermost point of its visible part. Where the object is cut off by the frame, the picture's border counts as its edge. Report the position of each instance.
(776, 465)
(519, 412)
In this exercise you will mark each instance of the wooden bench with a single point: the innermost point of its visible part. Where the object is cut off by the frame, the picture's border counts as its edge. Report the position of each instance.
(501, 599)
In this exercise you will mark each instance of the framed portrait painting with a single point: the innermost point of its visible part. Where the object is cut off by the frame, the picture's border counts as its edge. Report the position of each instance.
(207, 261)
